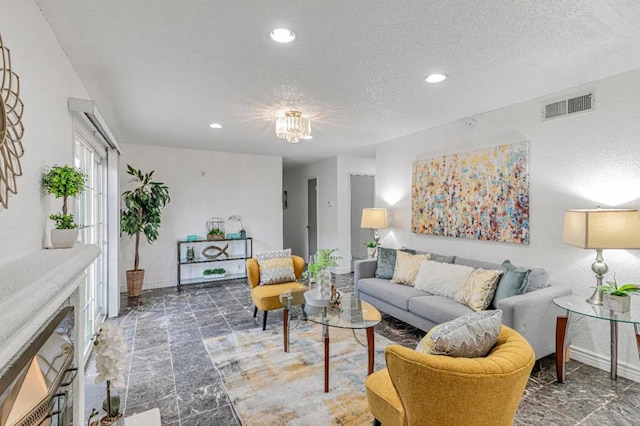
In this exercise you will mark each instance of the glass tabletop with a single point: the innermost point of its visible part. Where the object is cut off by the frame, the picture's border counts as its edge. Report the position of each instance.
(352, 313)
(290, 298)
(579, 305)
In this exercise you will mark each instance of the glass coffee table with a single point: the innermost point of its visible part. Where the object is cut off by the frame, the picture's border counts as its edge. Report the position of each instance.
(352, 313)
(578, 305)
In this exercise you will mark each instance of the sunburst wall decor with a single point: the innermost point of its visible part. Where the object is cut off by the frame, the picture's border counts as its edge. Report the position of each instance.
(11, 128)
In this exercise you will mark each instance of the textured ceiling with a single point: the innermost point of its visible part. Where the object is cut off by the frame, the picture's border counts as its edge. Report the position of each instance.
(161, 70)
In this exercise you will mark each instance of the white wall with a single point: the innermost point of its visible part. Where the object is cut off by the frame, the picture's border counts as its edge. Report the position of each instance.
(576, 162)
(346, 167)
(203, 184)
(295, 216)
(47, 80)
(334, 221)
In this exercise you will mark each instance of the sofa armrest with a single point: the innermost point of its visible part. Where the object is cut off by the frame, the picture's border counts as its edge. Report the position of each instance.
(363, 269)
(534, 316)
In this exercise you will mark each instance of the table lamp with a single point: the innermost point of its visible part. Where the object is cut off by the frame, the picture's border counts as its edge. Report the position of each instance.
(601, 229)
(375, 219)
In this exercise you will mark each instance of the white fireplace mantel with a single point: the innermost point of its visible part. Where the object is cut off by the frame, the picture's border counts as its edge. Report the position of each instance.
(32, 291)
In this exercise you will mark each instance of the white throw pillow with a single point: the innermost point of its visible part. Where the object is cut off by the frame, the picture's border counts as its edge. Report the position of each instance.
(406, 268)
(443, 279)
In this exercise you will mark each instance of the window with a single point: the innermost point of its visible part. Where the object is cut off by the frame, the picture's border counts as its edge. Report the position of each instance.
(91, 217)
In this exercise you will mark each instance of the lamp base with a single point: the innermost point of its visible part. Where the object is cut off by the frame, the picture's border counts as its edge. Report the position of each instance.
(596, 298)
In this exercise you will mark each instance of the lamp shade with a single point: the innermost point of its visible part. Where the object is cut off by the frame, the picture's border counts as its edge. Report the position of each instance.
(374, 218)
(602, 229)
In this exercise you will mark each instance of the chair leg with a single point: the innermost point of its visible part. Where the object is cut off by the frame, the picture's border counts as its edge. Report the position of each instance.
(255, 311)
(376, 422)
(264, 321)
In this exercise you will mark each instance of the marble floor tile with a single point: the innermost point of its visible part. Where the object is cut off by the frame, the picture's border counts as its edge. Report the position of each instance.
(168, 366)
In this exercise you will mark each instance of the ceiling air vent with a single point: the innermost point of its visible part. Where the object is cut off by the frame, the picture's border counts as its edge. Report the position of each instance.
(567, 106)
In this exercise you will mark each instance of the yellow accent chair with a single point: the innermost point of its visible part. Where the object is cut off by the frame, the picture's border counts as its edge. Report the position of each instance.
(267, 297)
(421, 389)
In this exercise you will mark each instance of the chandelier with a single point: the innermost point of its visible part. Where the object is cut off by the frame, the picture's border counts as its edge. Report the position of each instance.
(293, 127)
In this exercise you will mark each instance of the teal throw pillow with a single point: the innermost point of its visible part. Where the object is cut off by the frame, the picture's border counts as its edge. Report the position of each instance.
(386, 263)
(514, 281)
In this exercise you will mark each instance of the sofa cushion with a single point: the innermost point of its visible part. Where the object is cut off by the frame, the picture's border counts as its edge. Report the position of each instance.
(537, 279)
(514, 281)
(476, 264)
(395, 294)
(469, 336)
(386, 263)
(437, 309)
(434, 256)
(276, 267)
(480, 288)
(443, 279)
(407, 266)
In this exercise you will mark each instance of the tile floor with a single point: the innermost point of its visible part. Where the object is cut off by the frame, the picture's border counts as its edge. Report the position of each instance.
(169, 367)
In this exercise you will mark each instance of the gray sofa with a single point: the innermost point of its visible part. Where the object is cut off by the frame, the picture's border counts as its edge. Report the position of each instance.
(531, 314)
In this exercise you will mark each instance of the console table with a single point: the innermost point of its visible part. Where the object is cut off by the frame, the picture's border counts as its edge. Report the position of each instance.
(578, 305)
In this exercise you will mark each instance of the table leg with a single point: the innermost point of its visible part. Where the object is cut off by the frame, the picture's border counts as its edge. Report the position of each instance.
(637, 327)
(285, 329)
(614, 349)
(325, 335)
(562, 343)
(371, 348)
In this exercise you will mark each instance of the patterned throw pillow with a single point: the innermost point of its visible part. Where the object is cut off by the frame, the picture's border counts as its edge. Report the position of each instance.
(386, 263)
(480, 288)
(275, 267)
(469, 336)
(443, 279)
(407, 266)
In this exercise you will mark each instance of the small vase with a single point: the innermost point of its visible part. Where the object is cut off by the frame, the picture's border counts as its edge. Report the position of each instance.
(324, 284)
(243, 234)
(371, 252)
(617, 303)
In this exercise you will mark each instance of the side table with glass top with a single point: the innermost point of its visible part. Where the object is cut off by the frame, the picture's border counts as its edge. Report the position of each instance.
(578, 305)
(352, 313)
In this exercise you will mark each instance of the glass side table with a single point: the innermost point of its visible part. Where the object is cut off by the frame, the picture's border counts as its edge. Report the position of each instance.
(578, 305)
(289, 299)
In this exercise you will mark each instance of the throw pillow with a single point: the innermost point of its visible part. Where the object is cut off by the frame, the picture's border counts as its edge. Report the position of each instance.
(275, 267)
(386, 263)
(469, 336)
(407, 266)
(443, 279)
(480, 288)
(514, 281)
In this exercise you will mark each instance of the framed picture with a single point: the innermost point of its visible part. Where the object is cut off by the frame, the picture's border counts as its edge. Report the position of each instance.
(481, 195)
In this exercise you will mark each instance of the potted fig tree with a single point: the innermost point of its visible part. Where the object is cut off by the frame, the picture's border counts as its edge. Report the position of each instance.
(63, 182)
(141, 215)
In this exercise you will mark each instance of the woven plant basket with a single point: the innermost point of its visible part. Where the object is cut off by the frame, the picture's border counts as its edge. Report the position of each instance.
(212, 237)
(135, 279)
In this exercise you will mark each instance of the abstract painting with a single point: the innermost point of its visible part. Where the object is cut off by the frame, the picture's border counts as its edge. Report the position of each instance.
(482, 195)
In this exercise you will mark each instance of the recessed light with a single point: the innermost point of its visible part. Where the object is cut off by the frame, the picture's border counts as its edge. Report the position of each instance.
(435, 78)
(283, 35)
(215, 126)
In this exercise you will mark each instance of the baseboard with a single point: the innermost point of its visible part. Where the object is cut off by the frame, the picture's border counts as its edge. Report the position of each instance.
(602, 362)
(152, 285)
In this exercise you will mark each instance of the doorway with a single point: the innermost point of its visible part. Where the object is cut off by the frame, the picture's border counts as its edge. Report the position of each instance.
(312, 217)
(362, 196)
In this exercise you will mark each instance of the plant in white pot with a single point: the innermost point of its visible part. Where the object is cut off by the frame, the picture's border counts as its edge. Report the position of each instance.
(141, 215)
(617, 298)
(63, 182)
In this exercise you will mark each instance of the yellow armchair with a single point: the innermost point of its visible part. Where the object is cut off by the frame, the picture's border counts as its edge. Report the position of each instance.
(267, 297)
(421, 389)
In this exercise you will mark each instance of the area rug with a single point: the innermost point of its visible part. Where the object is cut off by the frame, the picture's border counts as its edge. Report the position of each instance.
(268, 386)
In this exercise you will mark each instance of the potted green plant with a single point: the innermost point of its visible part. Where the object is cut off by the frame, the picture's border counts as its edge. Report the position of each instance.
(371, 248)
(617, 298)
(63, 182)
(141, 215)
(214, 273)
(215, 234)
(318, 272)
